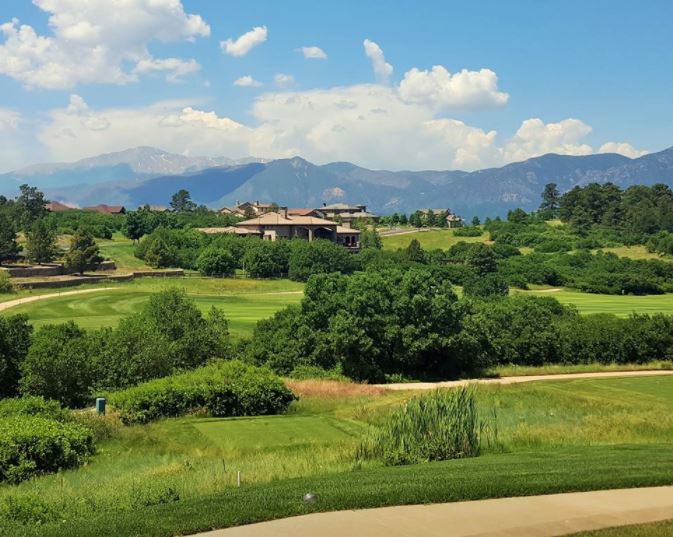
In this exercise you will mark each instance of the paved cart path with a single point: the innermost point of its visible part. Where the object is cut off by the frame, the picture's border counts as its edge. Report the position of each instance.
(524, 378)
(12, 303)
(533, 516)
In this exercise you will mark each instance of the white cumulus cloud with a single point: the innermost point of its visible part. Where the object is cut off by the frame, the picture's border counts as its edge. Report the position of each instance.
(283, 80)
(247, 81)
(382, 69)
(245, 43)
(440, 89)
(174, 67)
(97, 42)
(313, 53)
(535, 138)
(622, 148)
(369, 124)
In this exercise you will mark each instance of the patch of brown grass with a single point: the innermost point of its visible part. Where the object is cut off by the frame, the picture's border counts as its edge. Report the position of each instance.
(332, 389)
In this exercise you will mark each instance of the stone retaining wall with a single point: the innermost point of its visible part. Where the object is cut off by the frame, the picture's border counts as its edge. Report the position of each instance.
(50, 270)
(81, 280)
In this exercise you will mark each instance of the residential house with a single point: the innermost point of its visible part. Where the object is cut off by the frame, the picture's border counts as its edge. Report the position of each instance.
(347, 214)
(106, 209)
(58, 207)
(273, 226)
(250, 208)
(452, 220)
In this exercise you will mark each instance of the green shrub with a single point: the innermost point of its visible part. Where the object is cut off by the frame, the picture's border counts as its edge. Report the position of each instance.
(32, 445)
(33, 406)
(434, 427)
(222, 389)
(468, 231)
(216, 262)
(6, 285)
(58, 365)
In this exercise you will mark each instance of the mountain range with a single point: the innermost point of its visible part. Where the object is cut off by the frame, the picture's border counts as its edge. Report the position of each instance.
(146, 175)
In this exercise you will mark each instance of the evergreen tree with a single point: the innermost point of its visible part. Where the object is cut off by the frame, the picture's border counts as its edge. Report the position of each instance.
(181, 202)
(134, 226)
(83, 254)
(476, 221)
(9, 248)
(551, 200)
(430, 219)
(416, 219)
(403, 219)
(41, 243)
(414, 252)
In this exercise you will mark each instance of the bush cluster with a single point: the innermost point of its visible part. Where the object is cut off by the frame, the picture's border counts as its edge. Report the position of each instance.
(221, 389)
(68, 364)
(31, 445)
(379, 324)
(38, 436)
(222, 254)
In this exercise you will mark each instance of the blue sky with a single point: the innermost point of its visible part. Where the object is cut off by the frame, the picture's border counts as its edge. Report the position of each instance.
(570, 77)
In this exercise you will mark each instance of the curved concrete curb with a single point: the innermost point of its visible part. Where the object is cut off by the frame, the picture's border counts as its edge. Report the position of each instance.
(533, 516)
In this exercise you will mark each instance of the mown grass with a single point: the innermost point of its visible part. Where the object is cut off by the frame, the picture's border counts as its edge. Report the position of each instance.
(430, 239)
(179, 475)
(243, 301)
(121, 251)
(489, 476)
(619, 305)
(657, 529)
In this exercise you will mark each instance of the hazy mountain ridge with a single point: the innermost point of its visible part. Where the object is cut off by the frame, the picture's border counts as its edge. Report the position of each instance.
(147, 175)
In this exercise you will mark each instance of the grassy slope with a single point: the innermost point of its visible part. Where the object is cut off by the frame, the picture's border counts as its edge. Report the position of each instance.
(243, 301)
(429, 239)
(553, 436)
(120, 250)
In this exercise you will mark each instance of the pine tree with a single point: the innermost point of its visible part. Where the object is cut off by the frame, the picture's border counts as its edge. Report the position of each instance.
(9, 248)
(551, 200)
(182, 202)
(83, 254)
(41, 243)
(415, 252)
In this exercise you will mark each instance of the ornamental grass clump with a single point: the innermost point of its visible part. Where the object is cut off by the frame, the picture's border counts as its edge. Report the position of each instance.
(438, 426)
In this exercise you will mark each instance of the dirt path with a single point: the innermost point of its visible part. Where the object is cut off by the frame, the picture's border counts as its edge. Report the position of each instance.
(533, 516)
(12, 303)
(523, 378)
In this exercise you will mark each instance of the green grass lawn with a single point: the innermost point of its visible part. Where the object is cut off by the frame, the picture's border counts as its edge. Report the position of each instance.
(658, 529)
(120, 250)
(429, 239)
(244, 301)
(179, 475)
(619, 305)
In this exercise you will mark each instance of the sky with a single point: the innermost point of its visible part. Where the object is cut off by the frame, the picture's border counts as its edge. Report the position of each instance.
(386, 84)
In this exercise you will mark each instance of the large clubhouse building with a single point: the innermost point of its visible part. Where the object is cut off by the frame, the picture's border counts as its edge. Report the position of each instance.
(282, 225)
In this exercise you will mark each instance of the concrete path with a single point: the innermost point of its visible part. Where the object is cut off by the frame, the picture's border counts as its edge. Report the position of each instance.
(12, 303)
(523, 378)
(533, 516)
